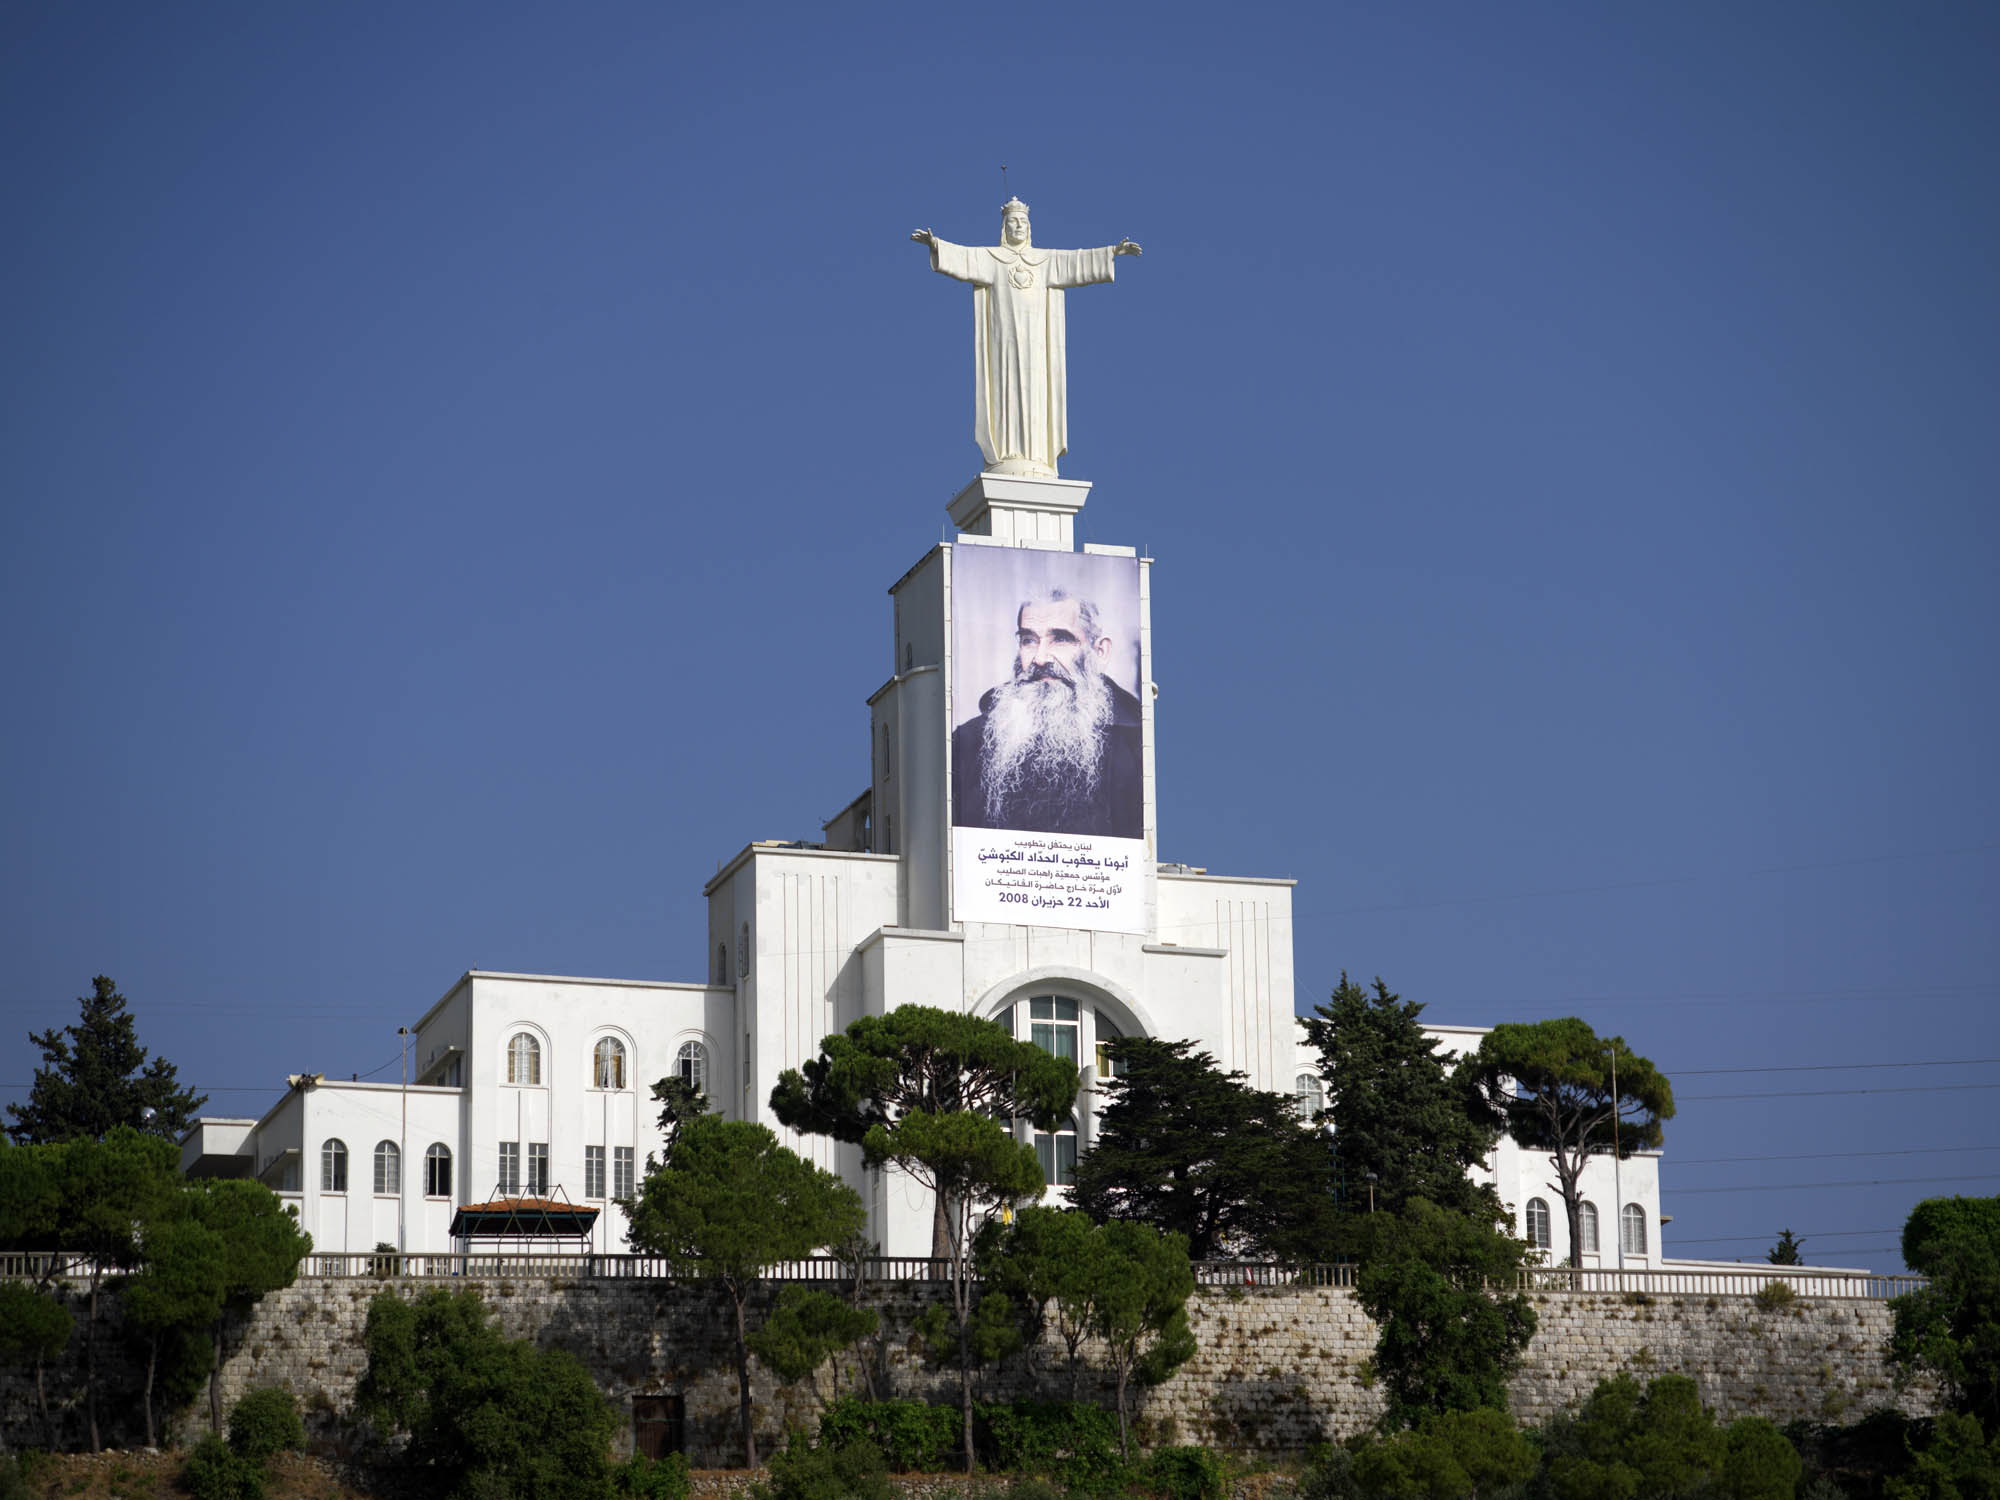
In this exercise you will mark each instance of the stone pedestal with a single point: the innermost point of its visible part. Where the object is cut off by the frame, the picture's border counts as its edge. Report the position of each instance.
(1019, 511)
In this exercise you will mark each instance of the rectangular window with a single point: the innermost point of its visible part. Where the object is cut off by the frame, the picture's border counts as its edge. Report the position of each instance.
(621, 1171)
(510, 1169)
(1052, 1026)
(1057, 1154)
(437, 1172)
(538, 1168)
(593, 1171)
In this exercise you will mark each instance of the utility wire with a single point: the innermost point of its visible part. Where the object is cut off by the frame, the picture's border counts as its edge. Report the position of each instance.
(1932, 1088)
(1774, 1187)
(1713, 1161)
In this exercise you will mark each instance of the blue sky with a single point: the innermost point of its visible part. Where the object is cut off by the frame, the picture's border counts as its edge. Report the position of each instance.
(453, 456)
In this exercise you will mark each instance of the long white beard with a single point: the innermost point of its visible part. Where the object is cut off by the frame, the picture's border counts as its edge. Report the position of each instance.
(1046, 737)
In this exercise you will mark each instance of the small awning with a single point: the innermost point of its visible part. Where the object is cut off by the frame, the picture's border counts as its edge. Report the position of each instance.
(519, 1218)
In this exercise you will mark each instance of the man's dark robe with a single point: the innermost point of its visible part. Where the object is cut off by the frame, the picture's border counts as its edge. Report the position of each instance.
(1116, 810)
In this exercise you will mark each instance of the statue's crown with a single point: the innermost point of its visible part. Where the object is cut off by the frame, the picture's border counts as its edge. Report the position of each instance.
(1010, 205)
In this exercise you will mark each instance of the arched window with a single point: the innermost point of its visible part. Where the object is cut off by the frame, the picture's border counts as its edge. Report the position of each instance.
(1586, 1227)
(607, 1064)
(1538, 1224)
(692, 1065)
(524, 1059)
(1310, 1095)
(437, 1171)
(1057, 1153)
(1632, 1226)
(333, 1167)
(388, 1167)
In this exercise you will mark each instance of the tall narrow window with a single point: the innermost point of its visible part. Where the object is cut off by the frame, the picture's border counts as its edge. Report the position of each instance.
(437, 1171)
(510, 1168)
(621, 1171)
(593, 1171)
(538, 1169)
(1538, 1224)
(1052, 1023)
(388, 1168)
(692, 1065)
(1632, 1225)
(1057, 1153)
(607, 1067)
(1310, 1095)
(1586, 1227)
(524, 1059)
(1107, 1065)
(333, 1166)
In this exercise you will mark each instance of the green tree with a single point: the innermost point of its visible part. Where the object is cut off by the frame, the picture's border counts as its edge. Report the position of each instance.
(728, 1202)
(807, 1328)
(1550, 1086)
(488, 1418)
(1448, 1342)
(680, 1102)
(1954, 1461)
(1457, 1456)
(107, 1191)
(262, 1248)
(179, 1288)
(1396, 1109)
(1045, 1263)
(94, 1076)
(1140, 1310)
(1630, 1441)
(920, 1060)
(1788, 1251)
(974, 1165)
(34, 1329)
(1195, 1151)
(1951, 1327)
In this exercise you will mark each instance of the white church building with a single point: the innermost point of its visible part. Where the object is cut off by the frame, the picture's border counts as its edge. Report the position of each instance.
(525, 1085)
(1003, 859)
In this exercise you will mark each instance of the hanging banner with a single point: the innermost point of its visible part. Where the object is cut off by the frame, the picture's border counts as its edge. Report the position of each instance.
(1047, 746)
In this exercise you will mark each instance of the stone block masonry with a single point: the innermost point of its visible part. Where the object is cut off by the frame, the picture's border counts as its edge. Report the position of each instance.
(1277, 1369)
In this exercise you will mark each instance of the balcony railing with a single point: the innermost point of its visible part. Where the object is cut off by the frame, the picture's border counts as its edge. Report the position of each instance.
(1857, 1286)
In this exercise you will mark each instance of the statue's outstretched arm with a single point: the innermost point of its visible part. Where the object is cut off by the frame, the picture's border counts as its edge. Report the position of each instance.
(1126, 247)
(923, 237)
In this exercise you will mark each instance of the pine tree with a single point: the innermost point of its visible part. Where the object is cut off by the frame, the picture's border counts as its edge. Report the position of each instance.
(95, 1075)
(1396, 1111)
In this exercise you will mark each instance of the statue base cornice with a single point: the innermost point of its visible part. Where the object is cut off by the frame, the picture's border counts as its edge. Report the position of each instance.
(1020, 510)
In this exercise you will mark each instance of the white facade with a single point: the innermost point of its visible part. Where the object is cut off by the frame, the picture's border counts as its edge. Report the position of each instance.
(509, 1090)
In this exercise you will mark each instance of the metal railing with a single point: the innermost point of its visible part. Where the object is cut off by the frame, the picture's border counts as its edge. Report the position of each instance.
(1668, 1281)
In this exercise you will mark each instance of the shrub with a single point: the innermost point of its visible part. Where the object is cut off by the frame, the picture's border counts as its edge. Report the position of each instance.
(849, 1471)
(1758, 1463)
(1775, 1296)
(1073, 1442)
(215, 1471)
(1185, 1473)
(265, 1422)
(915, 1436)
(652, 1479)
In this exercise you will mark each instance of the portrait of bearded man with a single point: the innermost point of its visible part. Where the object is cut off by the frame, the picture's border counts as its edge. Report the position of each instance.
(1057, 749)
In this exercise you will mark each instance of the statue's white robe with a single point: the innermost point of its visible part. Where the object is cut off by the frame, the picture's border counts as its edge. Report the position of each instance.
(1020, 404)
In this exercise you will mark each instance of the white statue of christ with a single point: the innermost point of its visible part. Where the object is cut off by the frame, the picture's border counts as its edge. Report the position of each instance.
(1020, 405)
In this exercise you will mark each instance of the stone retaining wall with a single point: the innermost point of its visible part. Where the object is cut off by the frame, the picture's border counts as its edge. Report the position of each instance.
(1277, 1368)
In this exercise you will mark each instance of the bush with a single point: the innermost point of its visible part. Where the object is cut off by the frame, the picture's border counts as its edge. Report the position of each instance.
(850, 1471)
(652, 1479)
(215, 1471)
(1460, 1454)
(1758, 1463)
(1775, 1296)
(915, 1436)
(1185, 1473)
(265, 1422)
(1073, 1442)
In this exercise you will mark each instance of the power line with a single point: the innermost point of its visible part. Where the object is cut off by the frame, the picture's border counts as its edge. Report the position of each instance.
(1940, 1062)
(1774, 1187)
(1712, 1161)
(1932, 1088)
(1742, 1239)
